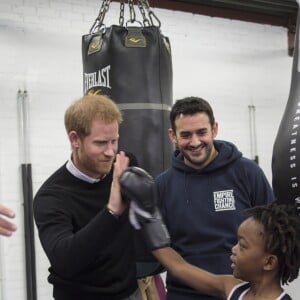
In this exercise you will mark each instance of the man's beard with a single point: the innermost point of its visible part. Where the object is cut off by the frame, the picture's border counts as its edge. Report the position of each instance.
(194, 161)
(98, 168)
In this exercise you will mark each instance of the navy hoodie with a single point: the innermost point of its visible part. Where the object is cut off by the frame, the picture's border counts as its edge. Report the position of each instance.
(203, 209)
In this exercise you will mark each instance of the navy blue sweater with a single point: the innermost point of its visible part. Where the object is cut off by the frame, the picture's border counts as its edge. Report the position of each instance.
(203, 208)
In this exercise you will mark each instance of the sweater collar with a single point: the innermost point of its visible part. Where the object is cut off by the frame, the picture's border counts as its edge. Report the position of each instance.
(77, 173)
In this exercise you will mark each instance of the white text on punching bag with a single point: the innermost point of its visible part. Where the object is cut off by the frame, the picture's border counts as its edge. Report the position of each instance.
(97, 79)
(293, 148)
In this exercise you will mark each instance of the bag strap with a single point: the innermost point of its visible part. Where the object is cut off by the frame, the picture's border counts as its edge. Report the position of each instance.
(148, 16)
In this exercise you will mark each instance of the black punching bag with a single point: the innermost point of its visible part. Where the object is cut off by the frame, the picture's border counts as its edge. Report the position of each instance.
(286, 151)
(133, 66)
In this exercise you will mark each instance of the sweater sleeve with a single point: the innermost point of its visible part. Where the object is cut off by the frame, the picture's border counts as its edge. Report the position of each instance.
(70, 252)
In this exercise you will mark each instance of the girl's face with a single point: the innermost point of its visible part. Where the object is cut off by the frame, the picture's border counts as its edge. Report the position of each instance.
(248, 255)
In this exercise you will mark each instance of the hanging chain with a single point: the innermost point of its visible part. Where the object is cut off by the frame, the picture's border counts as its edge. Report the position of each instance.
(132, 11)
(151, 14)
(143, 6)
(103, 11)
(122, 8)
(146, 21)
(99, 20)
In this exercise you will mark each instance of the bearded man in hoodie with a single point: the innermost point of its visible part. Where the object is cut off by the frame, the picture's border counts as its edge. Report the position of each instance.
(204, 192)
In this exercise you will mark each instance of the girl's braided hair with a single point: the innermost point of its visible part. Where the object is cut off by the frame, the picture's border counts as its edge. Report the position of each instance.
(281, 224)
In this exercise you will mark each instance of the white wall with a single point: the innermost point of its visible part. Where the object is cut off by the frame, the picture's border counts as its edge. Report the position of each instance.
(232, 64)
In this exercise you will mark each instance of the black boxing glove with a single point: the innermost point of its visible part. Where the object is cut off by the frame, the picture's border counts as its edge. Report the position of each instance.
(138, 186)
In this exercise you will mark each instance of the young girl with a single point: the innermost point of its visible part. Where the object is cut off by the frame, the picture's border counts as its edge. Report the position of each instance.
(267, 255)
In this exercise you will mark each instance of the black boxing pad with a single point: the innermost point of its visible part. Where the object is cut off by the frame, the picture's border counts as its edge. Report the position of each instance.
(286, 150)
(133, 66)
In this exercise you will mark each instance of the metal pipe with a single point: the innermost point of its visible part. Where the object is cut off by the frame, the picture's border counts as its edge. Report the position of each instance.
(26, 173)
(253, 143)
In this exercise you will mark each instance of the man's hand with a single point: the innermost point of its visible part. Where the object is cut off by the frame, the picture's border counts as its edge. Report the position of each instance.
(6, 227)
(115, 203)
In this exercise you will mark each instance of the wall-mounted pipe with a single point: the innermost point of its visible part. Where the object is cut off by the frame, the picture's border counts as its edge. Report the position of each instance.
(26, 174)
(253, 142)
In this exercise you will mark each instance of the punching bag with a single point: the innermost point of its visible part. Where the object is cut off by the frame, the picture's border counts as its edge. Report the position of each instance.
(286, 150)
(133, 66)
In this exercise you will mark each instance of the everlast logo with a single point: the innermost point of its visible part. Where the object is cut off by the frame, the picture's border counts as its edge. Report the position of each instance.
(97, 79)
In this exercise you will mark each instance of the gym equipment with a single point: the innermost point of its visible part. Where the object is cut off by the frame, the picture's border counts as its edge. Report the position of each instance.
(138, 186)
(286, 150)
(132, 65)
(26, 173)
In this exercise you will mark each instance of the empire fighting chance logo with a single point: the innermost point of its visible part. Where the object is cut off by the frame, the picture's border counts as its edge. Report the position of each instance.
(224, 200)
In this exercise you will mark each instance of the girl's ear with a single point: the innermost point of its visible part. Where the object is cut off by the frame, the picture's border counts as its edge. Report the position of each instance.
(271, 262)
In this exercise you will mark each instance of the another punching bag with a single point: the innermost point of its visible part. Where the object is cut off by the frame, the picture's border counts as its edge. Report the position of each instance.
(286, 151)
(133, 66)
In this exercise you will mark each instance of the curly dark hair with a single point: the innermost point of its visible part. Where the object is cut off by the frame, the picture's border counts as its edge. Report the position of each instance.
(281, 224)
(191, 106)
